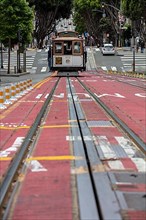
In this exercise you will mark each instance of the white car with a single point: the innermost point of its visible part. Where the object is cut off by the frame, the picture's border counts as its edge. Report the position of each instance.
(108, 49)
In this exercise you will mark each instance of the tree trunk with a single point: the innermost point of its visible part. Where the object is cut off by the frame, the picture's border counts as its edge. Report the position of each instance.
(9, 51)
(2, 56)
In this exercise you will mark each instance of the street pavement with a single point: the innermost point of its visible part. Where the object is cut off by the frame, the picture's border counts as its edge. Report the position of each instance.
(37, 66)
(121, 62)
(127, 58)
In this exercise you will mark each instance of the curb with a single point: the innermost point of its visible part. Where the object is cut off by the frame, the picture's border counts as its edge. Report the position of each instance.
(10, 93)
(13, 74)
(130, 74)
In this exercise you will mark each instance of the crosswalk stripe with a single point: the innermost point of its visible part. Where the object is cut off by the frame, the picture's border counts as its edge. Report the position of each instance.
(43, 69)
(123, 70)
(131, 58)
(13, 62)
(136, 54)
(104, 68)
(113, 68)
(137, 64)
(140, 61)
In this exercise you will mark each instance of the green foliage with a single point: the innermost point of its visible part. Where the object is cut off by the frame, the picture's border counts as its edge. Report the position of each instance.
(79, 20)
(63, 7)
(88, 17)
(127, 33)
(15, 15)
(82, 8)
(86, 4)
(105, 25)
(134, 9)
(47, 12)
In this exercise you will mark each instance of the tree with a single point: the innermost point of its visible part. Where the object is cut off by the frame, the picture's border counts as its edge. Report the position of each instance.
(47, 12)
(136, 11)
(88, 17)
(15, 16)
(84, 17)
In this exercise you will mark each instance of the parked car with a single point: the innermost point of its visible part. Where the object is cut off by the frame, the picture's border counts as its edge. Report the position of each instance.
(108, 49)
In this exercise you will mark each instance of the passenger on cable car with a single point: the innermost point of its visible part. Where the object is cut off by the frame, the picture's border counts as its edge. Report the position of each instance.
(77, 48)
(68, 48)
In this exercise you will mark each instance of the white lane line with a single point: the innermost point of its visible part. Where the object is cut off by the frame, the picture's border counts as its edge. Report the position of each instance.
(43, 69)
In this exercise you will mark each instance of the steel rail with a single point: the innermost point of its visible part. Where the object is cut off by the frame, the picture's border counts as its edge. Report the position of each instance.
(18, 159)
(89, 165)
(92, 159)
(131, 84)
(130, 133)
(137, 86)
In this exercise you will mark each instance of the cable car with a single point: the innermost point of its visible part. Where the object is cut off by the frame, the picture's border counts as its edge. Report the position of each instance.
(67, 52)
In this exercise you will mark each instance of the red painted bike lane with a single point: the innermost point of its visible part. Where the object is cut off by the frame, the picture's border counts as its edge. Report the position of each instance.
(128, 102)
(106, 132)
(120, 161)
(17, 120)
(46, 191)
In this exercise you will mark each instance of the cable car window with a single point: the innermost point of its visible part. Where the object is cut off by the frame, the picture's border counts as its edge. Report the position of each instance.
(68, 47)
(77, 47)
(58, 47)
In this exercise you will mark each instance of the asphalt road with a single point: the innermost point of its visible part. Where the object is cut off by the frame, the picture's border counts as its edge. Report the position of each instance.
(37, 66)
(122, 61)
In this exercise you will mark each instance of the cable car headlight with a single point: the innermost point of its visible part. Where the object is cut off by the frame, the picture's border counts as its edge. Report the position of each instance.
(58, 60)
(67, 61)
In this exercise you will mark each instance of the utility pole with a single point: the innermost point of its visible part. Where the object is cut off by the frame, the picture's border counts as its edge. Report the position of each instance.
(133, 45)
(18, 51)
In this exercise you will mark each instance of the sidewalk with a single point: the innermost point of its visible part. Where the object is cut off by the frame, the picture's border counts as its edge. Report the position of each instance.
(6, 78)
(129, 49)
(13, 68)
(3, 72)
(14, 78)
(13, 61)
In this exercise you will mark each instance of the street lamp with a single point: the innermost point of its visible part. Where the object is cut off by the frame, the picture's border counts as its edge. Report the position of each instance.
(115, 16)
(133, 46)
(103, 11)
(105, 4)
(103, 15)
(121, 19)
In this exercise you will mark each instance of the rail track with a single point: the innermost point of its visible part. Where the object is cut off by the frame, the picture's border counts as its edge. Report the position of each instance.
(96, 183)
(18, 161)
(138, 83)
